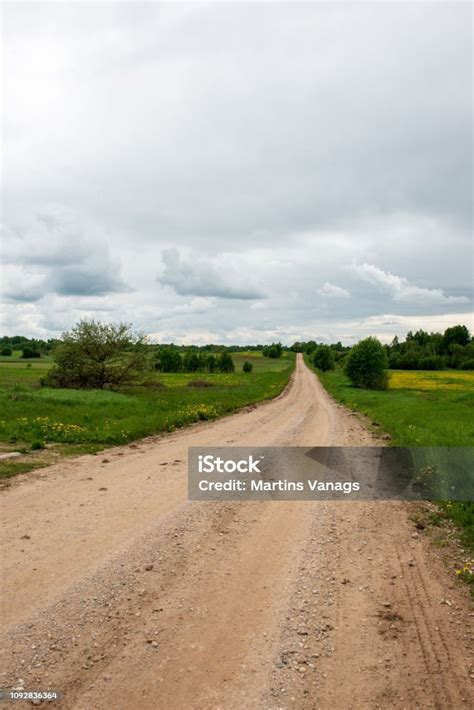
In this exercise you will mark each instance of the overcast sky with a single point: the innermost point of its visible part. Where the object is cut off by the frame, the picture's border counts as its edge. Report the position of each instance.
(237, 172)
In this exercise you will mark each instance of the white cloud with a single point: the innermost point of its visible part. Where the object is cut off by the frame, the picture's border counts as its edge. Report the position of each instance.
(195, 306)
(23, 319)
(22, 284)
(57, 253)
(330, 290)
(400, 289)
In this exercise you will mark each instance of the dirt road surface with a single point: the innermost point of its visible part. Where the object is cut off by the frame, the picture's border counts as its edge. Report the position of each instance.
(119, 592)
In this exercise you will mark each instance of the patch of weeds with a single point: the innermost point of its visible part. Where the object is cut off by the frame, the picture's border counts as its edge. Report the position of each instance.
(77, 449)
(37, 445)
(466, 575)
(8, 469)
(462, 515)
(440, 541)
(434, 518)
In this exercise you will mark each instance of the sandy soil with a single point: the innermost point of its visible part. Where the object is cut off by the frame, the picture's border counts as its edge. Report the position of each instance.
(120, 593)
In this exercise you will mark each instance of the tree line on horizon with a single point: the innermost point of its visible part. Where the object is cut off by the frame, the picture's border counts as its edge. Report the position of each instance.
(453, 349)
(94, 354)
(37, 347)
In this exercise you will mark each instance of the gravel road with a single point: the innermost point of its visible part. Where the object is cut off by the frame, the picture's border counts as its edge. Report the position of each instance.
(122, 594)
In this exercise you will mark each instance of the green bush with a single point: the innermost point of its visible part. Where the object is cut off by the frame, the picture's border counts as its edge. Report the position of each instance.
(432, 362)
(323, 358)
(457, 335)
(225, 363)
(467, 365)
(6, 352)
(96, 355)
(247, 366)
(395, 361)
(367, 365)
(29, 353)
(191, 361)
(274, 350)
(37, 445)
(210, 363)
(168, 359)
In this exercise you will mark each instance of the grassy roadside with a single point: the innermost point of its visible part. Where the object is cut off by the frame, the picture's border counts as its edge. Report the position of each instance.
(418, 409)
(45, 423)
(433, 408)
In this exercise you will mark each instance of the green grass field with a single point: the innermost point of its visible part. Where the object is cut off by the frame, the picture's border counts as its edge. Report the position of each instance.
(73, 421)
(419, 408)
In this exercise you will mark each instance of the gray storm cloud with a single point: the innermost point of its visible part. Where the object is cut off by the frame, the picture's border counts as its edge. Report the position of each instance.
(192, 276)
(315, 158)
(55, 253)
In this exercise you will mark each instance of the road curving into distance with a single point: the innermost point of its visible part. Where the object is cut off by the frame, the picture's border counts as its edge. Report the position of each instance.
(119, 592)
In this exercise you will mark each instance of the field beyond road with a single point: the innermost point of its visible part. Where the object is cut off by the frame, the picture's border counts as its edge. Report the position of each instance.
(420, 408)
(122, 594)
(45, 423)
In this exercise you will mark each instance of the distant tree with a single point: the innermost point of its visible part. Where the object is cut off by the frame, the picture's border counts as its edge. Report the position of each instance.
(395, 361)
(395, 344)
(191, 361)
(168, 359)
(19, 342)
(6, 352)
(421, 337)
(458, 334)
(274, 350)
(225, 362)
(367, 363)
(28, 353)
(323, 358)
(456, 355)
(410, 356)
(431, 362)
(247, 366)
(436, 342)
(210, 363)
(93, 355)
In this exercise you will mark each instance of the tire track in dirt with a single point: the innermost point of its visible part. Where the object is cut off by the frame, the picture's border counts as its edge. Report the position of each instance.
(443, 675)
(366, 628)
